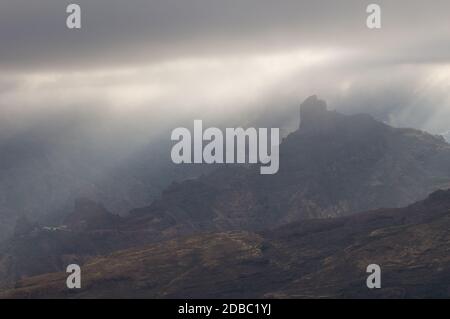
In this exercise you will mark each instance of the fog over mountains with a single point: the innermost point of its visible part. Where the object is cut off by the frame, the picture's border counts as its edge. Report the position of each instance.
(89, 113)
(43, 171)
(331, 167)
(86, 176)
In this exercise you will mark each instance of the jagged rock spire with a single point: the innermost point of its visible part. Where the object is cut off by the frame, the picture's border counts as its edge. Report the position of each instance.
(313, 113)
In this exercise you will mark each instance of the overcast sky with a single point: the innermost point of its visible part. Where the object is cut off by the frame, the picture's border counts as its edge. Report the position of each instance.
(147, 63)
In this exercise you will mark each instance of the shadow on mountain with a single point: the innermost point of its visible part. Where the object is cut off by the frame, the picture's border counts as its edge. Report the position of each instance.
(235, 233)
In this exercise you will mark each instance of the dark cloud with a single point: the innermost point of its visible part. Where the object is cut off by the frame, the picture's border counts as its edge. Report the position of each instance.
(114, 32)
(75, 105)
(170, 59)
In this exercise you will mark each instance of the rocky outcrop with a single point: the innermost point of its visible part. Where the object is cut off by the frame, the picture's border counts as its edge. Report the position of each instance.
(334, 165)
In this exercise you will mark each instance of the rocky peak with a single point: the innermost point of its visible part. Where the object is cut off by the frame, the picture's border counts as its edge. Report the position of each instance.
(312, 106)
(314, 115)
(316, 118)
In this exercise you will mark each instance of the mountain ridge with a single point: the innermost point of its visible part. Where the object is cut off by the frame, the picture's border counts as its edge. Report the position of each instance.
(322, 258)
(341, 166)
(332, 165)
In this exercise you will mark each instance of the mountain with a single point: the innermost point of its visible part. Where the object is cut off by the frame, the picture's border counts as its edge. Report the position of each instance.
(45, 169)
(88, 230)
(88, 214)
(333, 166)
(322, 258)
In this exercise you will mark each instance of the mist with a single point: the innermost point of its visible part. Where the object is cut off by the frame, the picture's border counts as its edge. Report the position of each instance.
(89, 112)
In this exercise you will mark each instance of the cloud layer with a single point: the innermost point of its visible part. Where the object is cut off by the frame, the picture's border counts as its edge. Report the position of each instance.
(157, 62)
(89, 112)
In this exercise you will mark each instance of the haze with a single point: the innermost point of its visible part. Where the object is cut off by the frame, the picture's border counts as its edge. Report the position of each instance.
(101, 95)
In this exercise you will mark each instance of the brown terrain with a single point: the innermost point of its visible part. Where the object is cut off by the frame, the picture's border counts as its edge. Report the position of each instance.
(310, 259)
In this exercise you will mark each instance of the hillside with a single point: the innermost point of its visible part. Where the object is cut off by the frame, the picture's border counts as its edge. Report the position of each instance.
(316, 258)
(333, 166)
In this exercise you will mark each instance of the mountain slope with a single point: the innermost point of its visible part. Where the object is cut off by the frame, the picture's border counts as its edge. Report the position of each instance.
(333, 165)
(43, 170)
(324, 258)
